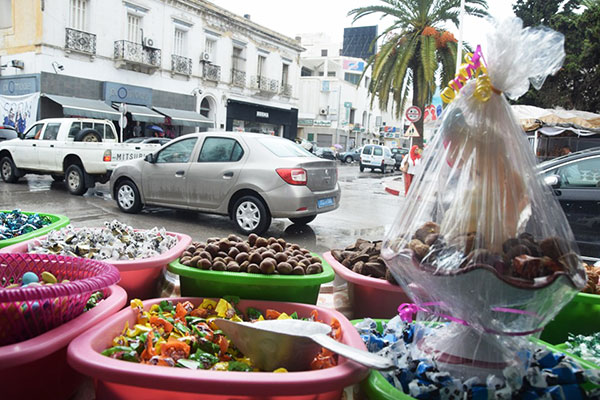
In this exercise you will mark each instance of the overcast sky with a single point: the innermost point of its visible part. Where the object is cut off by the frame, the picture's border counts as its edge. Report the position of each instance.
(294, 17)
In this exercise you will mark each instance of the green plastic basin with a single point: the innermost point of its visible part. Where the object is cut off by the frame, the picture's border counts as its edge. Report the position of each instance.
(58, 221)
(293, 288)
(581, 316)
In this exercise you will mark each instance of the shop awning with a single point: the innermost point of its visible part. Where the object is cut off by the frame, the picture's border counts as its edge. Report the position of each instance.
(144, 114)
(75, 106)
(185, 118)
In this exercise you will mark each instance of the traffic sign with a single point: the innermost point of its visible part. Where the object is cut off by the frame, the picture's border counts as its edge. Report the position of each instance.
(412, 131)
(413, 113)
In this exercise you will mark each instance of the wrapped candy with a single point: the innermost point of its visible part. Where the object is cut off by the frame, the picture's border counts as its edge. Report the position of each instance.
(481, 241)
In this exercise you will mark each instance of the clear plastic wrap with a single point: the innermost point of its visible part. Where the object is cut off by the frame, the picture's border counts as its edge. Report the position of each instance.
(481, 240)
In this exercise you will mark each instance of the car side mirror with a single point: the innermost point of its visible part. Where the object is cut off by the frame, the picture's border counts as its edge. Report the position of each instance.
(149, 158)
(552, 181)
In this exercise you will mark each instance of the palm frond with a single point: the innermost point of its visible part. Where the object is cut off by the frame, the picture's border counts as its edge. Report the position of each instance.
(428, 59)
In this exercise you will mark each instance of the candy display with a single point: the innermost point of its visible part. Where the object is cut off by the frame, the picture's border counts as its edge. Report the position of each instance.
(116, 241)
(15, 223)
(481, 241)
(593, 284)
(256, 255)
(184, 336)
(585, 347)
(364, 257)
(31, 279)
(547, 375)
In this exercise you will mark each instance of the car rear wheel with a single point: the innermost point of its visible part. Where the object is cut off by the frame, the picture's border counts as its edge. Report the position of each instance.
(128, 197)
(348, 159)
(75, 177)
(303, 220)
(8, 170)
(251, 215)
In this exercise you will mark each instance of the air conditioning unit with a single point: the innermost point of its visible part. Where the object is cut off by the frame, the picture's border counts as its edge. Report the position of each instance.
(205, 57)
(324, 111)
(148, 42)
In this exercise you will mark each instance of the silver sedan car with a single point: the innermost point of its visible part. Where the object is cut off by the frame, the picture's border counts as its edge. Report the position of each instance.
(249, 177)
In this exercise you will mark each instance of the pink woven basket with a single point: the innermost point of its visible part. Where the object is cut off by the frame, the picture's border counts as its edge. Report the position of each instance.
(26, 312)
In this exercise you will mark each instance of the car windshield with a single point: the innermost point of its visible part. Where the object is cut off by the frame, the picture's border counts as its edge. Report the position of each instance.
(284, 148)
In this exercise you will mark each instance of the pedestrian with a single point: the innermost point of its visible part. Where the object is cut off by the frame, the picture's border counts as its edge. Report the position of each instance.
(413, 159)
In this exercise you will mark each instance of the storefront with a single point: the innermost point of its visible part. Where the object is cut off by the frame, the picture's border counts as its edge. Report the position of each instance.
(251, 117)
(146, 110)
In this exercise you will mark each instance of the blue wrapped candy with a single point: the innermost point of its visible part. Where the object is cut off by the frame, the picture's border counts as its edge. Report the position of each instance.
(15, 223)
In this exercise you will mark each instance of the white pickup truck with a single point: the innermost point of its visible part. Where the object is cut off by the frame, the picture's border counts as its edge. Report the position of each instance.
(82, 151)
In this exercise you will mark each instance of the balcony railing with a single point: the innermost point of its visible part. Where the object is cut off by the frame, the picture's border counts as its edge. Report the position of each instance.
(82, 42)
(211, 72)
(286, 89)
(238, 78)
(265, 84)
(181, 65)
(135, 53)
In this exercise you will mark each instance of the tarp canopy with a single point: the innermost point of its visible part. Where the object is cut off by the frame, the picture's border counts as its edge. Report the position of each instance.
(557, 130)
(532, 118)
(75, 106)
(185, 118)
(144, 114)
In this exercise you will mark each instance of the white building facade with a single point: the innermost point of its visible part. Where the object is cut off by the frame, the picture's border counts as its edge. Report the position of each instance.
(162, 58)
(335, 109)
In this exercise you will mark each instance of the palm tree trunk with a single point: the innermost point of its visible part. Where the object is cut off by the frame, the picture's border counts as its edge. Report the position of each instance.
(419, 124)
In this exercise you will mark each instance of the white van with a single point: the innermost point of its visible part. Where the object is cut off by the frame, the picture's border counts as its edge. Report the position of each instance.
(375, 156)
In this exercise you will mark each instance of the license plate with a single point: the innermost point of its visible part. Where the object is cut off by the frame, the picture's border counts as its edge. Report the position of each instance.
(325, 202)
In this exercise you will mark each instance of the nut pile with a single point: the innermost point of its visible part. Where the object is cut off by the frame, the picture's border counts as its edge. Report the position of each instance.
(116, 241)
(522, 257)
(364, 257)
(593, 276)
(256, 255)
(15, 223)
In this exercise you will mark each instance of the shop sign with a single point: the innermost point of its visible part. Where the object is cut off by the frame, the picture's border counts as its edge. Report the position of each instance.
(262, 114)
(306, 122)
(322, 123)
(354, 65)
(119, 93)
(19, 86)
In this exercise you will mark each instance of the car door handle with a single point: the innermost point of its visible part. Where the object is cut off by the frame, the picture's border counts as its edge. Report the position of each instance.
(33, 144)
(179, 174)
(557, 192)
(228, 174)
(137, 148)
(51, 145)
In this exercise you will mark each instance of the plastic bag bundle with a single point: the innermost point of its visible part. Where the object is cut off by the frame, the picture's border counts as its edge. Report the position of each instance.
(482, 241)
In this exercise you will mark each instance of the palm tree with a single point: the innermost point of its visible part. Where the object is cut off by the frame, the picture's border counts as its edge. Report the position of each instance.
(415, 44)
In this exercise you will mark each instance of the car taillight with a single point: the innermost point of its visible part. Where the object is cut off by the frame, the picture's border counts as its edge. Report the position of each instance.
(293, 176)
(107, 156)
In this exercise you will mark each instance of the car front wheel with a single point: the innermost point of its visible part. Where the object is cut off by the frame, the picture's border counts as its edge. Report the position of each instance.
(303, 220)
(8, 170)
(251, 215)
(128, 197)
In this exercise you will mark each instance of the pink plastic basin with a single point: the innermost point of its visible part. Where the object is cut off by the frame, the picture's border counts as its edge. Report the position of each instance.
(138, 277)
(369, 297)
(117, 379)
(37, 368)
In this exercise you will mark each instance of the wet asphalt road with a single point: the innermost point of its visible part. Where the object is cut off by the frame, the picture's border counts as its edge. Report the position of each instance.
(366, 210)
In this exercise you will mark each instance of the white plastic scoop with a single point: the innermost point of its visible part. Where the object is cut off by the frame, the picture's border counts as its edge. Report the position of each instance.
(291, 344)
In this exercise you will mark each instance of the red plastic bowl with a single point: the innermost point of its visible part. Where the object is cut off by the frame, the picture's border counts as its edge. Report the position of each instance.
(37, 368)
(138, 277)
(117, 379)
(369, 297)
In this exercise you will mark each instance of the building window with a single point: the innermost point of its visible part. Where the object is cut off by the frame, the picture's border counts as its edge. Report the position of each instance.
(352, 114)
(205, 107)
(78, 14)
(305, 72)
(285, 72)
(260, 67)
(134, 28)
(331, 73)
(179, 42)
(238, 61)
(352, 78)
(324, 53)
(210, 47)
(367, 82)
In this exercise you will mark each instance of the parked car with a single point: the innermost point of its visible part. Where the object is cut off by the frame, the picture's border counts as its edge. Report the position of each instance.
(148, 140)
(8, 132)
(249, 177)
(375, 156)
(575, 181)
(398, 154)
(350, 155)
(324, 152)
